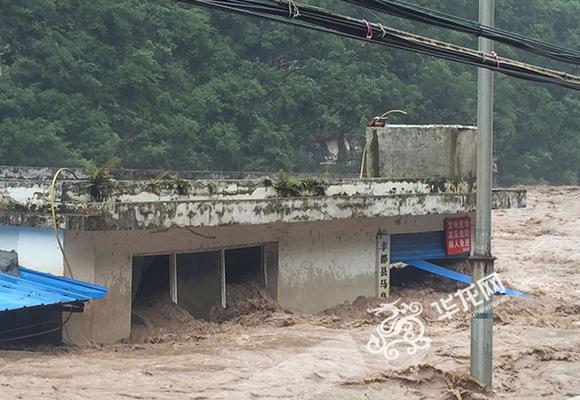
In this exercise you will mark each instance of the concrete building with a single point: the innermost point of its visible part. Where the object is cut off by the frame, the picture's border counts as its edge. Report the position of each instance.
(311, 243)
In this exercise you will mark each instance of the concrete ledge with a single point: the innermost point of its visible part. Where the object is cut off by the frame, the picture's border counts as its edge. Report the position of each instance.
(178, 202)
(210, 213)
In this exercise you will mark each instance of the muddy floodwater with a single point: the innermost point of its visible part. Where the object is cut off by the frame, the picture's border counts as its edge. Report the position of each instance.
(268, 353)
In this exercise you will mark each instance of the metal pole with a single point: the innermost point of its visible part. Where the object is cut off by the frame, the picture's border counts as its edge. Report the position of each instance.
(173, 278)
(223, 278)
(482, 261)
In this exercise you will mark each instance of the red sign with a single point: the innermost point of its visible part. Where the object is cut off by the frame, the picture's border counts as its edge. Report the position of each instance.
(458, 235)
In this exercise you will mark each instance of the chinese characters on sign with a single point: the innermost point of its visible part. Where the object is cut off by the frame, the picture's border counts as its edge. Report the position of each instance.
(458, 235)
(475, 294)
(383, 265)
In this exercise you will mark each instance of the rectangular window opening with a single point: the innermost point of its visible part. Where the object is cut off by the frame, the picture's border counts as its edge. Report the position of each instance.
(201, 283)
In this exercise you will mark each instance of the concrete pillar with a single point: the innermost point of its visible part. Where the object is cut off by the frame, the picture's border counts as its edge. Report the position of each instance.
(92, 259)
(79, 247)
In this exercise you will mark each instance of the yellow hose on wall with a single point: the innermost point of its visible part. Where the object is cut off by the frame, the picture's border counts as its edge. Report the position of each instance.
(52, 192)
(382, 117)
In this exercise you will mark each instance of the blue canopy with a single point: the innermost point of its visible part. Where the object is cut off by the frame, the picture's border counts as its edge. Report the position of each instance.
(456, 276)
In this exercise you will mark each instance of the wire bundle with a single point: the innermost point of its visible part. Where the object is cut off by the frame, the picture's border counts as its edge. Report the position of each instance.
(289, 12)
(432, 17)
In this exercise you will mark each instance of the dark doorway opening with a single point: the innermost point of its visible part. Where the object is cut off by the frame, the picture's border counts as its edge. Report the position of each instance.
(199, 282)
(404, 276)
(150, 279)
(245, 266)
(150, 286)
(245, 284)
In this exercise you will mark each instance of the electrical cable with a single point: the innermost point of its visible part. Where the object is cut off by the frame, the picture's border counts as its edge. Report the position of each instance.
(425, 15)
(325, 21)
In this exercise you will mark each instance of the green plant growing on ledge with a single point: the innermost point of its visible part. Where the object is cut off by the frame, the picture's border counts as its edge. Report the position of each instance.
(100, 181)
(212, 187)
(180, 184)
(314, 186)
(168, 181)
(287, 187)
(295, 187)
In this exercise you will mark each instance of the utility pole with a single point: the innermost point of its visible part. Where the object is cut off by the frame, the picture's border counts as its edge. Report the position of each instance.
(482, 261)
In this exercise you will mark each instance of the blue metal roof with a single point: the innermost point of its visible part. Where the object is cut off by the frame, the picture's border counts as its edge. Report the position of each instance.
(37, 289)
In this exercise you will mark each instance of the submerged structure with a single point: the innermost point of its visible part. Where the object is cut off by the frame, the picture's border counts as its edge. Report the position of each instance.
(309, 242)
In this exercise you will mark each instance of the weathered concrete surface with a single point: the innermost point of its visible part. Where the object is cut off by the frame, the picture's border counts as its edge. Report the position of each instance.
(9, 262)
(177, 202)
(105, 259)
(421, 151)
(162, 215)
(320, 264)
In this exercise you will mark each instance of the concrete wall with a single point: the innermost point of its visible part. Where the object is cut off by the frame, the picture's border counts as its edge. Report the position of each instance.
(421, 151)
(37, 248)
(436, 152)
(320, 264)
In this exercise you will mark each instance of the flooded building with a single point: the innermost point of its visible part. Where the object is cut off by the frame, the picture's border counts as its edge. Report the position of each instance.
(308, 242)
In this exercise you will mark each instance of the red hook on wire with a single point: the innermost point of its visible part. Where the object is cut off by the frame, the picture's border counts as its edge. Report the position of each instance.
(369, 34)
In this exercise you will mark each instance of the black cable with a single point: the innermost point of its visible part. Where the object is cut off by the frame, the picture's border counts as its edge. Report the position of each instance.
(325, 21)
(320, 16)
(432, 17)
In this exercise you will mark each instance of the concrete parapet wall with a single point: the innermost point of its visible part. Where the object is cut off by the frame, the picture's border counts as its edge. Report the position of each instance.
(178, 202)
(163, 215)
(421, 151)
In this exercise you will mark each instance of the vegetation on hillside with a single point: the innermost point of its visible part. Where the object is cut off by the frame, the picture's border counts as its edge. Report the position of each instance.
(165, 85)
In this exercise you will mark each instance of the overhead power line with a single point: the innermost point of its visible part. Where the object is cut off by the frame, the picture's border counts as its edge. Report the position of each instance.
(413, 12)
(318, 19)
